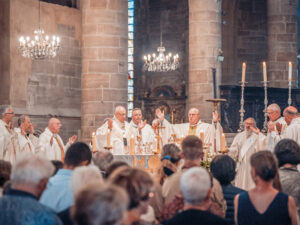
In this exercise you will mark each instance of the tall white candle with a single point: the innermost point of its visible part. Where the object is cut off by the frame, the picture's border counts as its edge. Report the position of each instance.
(265, 71)
(243, 72)
(290, 71)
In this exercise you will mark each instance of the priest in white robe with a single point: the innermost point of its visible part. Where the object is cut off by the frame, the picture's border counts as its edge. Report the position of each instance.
(114, 133)
(140, 130)
(274, 114)
(25, 143)
(243, 146)
(51, 144)
(292, 131)
(9, 146)
(211, 132)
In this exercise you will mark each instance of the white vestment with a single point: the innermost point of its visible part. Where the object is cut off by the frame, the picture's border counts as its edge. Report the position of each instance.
(241, 150)
(51, 151)
(9, 146)
(119, 135)
(292, 131)
(147, 133)
(271, 142)
(212, 132)
(25, 143)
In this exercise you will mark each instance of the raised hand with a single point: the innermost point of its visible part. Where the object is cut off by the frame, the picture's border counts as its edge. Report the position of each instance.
(110, 123)
(160, 114)
(255, 129)
(142, 124)
(72, 139)
(278, 127)
(271, 126)
(215, 116)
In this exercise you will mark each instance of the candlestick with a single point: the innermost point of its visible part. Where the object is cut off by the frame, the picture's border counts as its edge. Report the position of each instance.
(94, 148)
(108, 138)
(265, 128)
(132, 145)
(223, 142)
(265, 71)
(242, 110)
(202, 136)
(244, 72)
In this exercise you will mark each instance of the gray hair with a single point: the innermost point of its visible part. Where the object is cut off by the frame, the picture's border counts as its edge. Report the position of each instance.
(21, 119)
(275, 107)
(83, 175)
(195, 184)
(103, 160)
(119, 107)
(110, 200)
(4, 109)
(251, 118)
(30, 169)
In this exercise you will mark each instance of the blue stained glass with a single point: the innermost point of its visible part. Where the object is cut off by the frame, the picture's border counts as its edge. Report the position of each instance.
(130, 59)
(131, 12)
(130, 43)
(130, 90)
(130, 66)
(130, 35)
(130, 82)
(130, 20)
(131, 28)
(130, 4)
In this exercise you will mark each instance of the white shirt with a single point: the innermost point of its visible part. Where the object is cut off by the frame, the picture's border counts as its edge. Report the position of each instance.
(147, 132)
(24, 142)
(52, 152)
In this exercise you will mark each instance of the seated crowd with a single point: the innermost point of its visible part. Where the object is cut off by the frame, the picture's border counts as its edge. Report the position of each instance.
(89, 189)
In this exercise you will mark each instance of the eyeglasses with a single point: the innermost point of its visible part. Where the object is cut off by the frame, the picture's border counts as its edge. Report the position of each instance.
(193, 114)
(12, 113)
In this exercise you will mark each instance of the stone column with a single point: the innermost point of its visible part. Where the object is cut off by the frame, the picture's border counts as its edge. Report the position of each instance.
(104, 61)
(204, 43)
(282, 41)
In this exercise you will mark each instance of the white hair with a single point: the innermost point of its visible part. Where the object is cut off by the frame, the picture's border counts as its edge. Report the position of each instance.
(195, 184)
(4, 109)
(30, 169)
(274, 107)
(250, 118)
(119, 108)
(83, 175)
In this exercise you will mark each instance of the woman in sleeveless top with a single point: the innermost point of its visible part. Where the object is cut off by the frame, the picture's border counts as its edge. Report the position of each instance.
(264, 205)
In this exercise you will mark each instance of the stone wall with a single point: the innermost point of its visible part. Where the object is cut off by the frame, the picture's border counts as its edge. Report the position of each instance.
(244, 40)
(47, 87)
(171, 18)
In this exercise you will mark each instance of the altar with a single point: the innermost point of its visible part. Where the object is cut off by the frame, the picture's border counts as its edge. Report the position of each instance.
(148, 162)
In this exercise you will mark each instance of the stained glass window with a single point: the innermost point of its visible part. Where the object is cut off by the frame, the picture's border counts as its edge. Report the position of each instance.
(130, 56)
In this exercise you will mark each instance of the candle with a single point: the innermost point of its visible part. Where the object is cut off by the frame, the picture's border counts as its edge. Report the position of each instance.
(132, 145)
(202, 136)
(223, 142)
(243, 72)
(94, 149)
(265, 71)
(290, 71)
(108, 138)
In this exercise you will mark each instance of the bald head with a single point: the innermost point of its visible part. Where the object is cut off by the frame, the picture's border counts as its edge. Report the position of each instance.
(120, 113)
(194, 116)
(54, 125)
(289, 114)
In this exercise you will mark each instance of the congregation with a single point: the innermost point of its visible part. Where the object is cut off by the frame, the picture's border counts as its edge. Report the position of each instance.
(254, 181)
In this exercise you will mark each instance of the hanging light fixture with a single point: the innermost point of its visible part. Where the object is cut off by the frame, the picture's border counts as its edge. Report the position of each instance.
(41, 46)
(161, 62)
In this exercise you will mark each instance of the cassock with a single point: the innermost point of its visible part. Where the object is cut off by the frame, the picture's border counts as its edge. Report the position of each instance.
(269, 143)
(292, 131)
(9, 146)
(147, 133)
(212, 132)
(25, 143)
(54, 151)
(119, 136)
(241, 150)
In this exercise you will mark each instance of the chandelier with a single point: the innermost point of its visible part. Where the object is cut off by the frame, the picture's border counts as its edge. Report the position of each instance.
(41, 46)
(161, 62)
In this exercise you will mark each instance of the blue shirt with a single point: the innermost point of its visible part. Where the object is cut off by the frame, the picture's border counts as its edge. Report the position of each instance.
(22, 208)
(58, 194)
